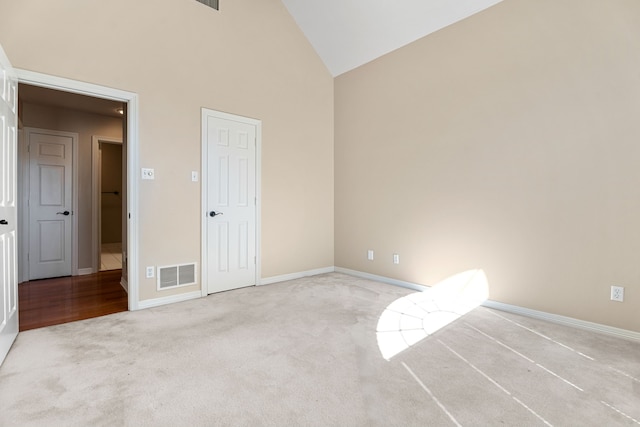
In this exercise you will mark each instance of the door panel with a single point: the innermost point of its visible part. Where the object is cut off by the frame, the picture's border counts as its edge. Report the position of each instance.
(51, 182)
(50, 203)
(8, 207)
(231, 191)
(52, 237)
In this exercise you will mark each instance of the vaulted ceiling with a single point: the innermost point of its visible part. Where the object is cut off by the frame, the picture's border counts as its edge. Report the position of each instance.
(350, 33)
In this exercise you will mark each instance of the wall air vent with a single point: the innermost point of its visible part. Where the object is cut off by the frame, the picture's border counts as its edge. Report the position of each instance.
(173, 276)
(210, 3)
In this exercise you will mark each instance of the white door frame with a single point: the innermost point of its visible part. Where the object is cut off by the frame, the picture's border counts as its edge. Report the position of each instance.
(89, 89)
(22, 177)
(204, 188)
(24, 159)
(96, 202)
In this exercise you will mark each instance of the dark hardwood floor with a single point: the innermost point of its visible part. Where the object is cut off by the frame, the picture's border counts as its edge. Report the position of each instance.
(66, 299)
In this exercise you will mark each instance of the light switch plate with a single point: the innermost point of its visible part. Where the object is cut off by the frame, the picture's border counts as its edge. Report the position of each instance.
(148, 173)
(194, 176)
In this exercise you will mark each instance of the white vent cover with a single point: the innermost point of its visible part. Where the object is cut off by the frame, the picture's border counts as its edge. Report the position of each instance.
(173, 276)
(210, 3)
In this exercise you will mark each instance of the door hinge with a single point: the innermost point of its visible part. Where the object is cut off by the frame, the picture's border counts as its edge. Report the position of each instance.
(254, 260)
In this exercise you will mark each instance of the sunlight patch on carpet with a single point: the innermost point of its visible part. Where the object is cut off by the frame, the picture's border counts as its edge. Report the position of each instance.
(410, 319)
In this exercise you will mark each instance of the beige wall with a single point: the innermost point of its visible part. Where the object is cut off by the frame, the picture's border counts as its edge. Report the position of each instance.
(248, 59)
(86, 125)
(507, 142)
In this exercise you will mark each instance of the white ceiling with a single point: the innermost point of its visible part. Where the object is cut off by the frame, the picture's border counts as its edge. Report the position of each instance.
(350, 33)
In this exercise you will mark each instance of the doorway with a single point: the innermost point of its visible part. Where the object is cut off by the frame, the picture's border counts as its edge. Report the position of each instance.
(56, 206)
(109, 190)
(110, 210)
(56, 155)
(92, 96)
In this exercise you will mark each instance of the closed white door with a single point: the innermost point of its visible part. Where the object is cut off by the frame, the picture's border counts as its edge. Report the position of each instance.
(230, 202)
(8, 206)
(50, 203)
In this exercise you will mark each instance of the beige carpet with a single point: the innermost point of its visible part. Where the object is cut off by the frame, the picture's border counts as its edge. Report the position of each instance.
(305, 353)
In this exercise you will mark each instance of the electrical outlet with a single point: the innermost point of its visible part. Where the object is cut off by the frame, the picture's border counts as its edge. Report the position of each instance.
(617, 293)
(150, 272)
(396, 259)
(370, 255)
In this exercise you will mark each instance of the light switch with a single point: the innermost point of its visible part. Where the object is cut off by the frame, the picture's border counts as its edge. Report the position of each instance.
(148, 173)
(194, 176)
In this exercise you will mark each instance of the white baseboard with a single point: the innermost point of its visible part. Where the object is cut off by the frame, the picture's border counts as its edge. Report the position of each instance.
(563, 320)
(553, 318)
(156, 302)
(85, 271)
(293, 276)
(383, 279)
(124, 284)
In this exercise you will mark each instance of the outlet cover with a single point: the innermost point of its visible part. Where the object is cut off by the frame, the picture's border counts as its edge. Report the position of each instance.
(396, 259)
(150, 272)
(617, 293)
(370, 255)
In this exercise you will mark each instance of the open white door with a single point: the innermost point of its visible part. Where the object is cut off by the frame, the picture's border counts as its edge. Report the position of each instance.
(230, 147)
(8, 205)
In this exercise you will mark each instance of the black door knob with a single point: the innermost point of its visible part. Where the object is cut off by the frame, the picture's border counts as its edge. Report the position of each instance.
(214, 213)
(3, 222)
(65, 213)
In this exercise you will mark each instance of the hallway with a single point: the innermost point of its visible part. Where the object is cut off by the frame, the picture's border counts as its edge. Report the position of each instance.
(111, 256)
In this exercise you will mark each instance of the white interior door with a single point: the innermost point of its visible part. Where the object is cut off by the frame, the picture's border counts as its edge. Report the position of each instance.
(50, 203)
(8, 206)
(230, 202)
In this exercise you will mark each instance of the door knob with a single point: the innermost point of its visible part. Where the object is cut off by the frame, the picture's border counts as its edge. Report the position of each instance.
(3, 222)
(214, 213)
(65, 213)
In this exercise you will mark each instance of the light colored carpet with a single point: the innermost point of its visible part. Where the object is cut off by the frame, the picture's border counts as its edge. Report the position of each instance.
(304, 353)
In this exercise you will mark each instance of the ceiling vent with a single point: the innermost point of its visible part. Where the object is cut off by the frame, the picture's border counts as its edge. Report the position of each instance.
(210, 3)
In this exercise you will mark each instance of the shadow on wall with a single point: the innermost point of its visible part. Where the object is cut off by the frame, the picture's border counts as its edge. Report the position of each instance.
(410, 319)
